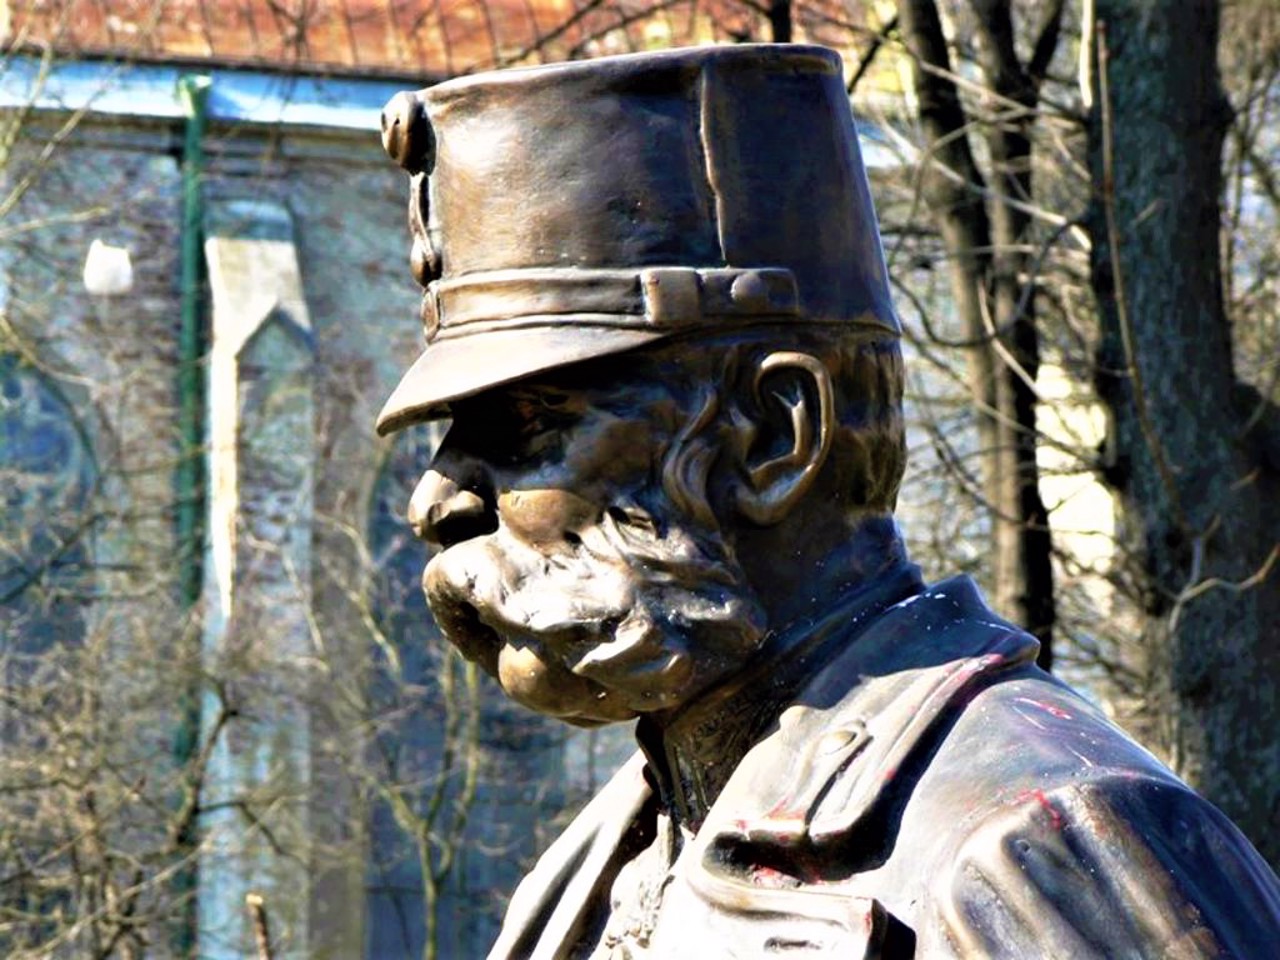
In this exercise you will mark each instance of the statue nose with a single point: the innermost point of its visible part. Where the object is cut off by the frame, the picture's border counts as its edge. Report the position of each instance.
(443, 513)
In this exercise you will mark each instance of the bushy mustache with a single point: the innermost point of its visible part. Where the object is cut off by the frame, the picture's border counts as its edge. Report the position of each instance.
(629, 595)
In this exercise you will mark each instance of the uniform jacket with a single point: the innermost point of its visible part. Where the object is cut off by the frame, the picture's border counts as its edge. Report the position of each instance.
(929, 793)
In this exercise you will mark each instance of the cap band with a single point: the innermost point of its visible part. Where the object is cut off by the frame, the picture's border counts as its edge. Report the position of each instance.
(661, 298)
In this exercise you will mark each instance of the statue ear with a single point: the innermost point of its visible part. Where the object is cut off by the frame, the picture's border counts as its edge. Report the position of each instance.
(784, 435)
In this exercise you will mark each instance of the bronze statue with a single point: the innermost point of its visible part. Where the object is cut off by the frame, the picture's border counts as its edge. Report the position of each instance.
(657, 313)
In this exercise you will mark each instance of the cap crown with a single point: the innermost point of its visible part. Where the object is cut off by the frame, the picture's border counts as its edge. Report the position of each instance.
(616, 201)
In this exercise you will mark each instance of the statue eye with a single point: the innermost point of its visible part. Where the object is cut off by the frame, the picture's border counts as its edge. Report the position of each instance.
(507, 426)
(553, 399)
(537, 412)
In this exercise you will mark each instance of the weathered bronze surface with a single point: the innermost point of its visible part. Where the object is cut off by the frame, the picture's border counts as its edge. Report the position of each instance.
(656, 312)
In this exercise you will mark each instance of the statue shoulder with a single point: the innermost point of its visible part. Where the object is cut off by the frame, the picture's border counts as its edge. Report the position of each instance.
(991, 810)
(1122, 864)
(1064, 837)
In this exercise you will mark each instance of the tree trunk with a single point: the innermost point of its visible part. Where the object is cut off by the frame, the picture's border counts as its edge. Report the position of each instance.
(1023, 543)
(1198, 493)
(988, 283)
(780, 21)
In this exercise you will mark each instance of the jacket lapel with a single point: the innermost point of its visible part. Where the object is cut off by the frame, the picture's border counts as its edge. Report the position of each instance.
(838, 749)
(554, 905)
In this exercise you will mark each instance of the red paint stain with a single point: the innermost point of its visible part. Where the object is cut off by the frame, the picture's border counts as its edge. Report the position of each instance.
(781, 810)
(1038, 795)
(1048, 708)
(768, 877)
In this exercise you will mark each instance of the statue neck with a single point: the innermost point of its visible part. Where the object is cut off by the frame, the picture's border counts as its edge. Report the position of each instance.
(798, 567)
(693, 750)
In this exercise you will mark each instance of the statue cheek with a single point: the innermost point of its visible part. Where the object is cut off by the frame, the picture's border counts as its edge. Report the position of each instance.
(544, 517)
(620, 454)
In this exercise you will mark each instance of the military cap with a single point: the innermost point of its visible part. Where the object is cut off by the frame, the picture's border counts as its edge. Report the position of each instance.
(577, 210)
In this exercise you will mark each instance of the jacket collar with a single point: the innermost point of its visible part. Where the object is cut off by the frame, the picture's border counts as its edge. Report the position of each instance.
(838, 749)
(694, 755)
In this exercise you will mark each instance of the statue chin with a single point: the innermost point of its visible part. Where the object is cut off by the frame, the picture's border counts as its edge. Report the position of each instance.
(543, 685)
(470, 591)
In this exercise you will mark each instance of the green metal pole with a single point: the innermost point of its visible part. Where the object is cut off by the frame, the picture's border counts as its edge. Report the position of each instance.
(193, 92)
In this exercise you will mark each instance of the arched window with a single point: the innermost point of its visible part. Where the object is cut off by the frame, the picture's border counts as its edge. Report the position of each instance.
(46, 478)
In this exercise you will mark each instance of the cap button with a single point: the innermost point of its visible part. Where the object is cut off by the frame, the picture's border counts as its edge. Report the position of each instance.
(424, 263)
(750, 292)
(406, 133)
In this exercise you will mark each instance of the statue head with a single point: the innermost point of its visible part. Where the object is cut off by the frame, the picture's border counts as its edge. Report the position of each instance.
(656, 312)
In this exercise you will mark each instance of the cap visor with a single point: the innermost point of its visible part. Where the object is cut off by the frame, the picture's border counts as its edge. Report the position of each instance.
(456, 367)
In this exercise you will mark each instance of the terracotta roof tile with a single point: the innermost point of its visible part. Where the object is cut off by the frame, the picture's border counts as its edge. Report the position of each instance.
(411, 38)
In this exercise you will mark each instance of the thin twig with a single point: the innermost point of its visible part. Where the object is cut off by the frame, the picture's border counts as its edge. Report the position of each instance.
(258, 917)
(1255, 579)
(877, 41)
